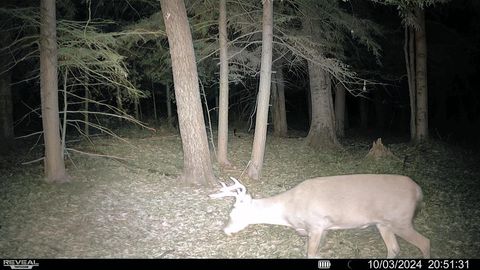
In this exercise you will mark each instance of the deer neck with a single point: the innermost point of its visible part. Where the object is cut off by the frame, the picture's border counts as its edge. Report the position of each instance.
(268, 211)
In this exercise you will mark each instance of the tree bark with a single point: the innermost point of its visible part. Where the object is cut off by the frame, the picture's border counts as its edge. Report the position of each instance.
(196, 156)
(54, 163)
(154, 104)
(119, 100)
(421, 77)
(279, 114)
(136, 107)
(86, 108)
(309, 105)
(340, 109)
(222, 156)
(322, 127)
(363, 112)
(380, 109)
(6, 111)
(260, 137)
(6, 106)
(409, 50)
(169, 105)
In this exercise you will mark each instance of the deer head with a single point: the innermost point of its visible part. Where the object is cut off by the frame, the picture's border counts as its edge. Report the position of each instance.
(239, 216)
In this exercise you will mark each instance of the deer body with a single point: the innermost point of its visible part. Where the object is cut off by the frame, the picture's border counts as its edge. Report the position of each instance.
(336, 202)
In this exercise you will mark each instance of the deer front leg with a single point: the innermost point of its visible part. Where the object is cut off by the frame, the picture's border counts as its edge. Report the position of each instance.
(314, 239)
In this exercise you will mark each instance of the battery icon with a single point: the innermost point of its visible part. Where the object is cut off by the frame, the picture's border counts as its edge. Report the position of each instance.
(324, 264)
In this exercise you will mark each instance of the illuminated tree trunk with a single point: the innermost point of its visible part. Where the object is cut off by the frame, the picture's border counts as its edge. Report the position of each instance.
(196, 156)
(154, 104)
(260, 137)
(340, 109)
(322, 126)
(169, 105)
(409, 50)
(421, 77)
(223, 100)
(54, 164)
(136, 107)
(279, 114)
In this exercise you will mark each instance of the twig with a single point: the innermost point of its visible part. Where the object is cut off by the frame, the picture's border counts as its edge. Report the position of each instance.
(246, 167)
(33, 161)
(65, 106)
(29, 135)
(209, 120)
(96, 155)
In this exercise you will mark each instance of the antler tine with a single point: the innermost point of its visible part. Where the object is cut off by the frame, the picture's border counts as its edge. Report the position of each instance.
(237, 190)
(223, 194)
(238, 185)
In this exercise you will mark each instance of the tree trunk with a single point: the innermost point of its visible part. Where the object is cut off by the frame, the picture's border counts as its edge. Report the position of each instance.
(86, 107)
(217, 107)
(223, 93)
(409, 50)
(169, 105)
(309, 105)
(322, 127)
(6, 110)
(363, 112)
(421, 77)
(6, 106)
(340, 109)
(154, 104)
(260, 137)
(279, 114)
(54, 164)
(119, 99)
(380, 110)
(196, 155)
(136, 108)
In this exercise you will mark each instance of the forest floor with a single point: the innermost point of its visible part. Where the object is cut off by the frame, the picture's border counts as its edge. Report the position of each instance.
(134, 207)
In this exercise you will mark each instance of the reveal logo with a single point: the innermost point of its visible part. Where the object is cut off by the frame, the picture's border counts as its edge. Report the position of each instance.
(20, 264)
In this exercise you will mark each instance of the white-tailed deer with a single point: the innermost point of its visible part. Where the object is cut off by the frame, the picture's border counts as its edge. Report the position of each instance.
(335, 202)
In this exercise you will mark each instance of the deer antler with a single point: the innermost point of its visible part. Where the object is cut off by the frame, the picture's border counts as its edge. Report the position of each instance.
(236, 190)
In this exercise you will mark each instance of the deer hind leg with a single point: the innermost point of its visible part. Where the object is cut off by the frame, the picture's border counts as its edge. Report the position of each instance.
(314, 239)
(390, 241)
(408, 233)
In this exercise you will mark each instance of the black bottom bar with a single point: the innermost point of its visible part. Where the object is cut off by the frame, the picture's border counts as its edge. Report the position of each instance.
(243, 264)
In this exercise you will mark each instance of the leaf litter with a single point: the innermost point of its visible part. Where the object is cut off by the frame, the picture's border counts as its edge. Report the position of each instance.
(136, 208)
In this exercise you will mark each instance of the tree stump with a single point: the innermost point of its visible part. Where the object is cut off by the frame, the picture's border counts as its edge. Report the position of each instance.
(379, 151)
